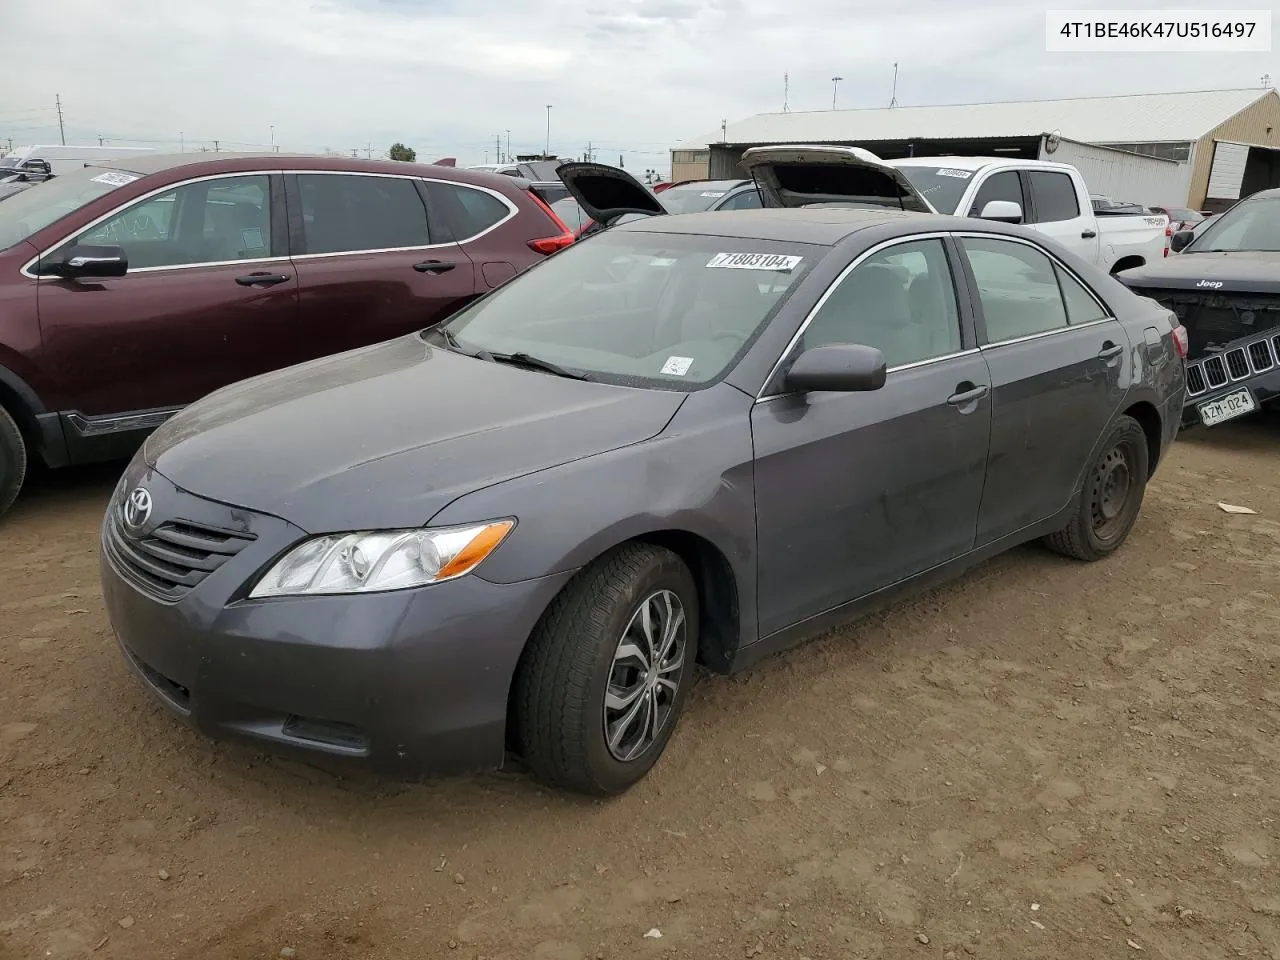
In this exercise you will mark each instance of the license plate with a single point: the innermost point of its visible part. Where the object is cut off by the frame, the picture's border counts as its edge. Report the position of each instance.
(1226, 408)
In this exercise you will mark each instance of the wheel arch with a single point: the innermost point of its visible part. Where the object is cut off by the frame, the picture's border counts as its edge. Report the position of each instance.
(21, 403)
(1148, 418)
(1128, 263)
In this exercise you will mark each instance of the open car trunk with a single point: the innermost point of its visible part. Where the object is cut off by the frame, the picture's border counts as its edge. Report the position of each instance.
(803, 176)
(607, 193)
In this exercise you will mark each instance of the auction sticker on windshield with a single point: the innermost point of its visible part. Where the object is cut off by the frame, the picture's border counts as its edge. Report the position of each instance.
(115, 179)
(677, 366)
(754, 261)
(958, 174)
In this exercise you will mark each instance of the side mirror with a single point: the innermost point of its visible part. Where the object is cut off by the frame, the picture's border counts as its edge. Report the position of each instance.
(1180, 239)
(1006, 211)
(841, 367)
(89, 262)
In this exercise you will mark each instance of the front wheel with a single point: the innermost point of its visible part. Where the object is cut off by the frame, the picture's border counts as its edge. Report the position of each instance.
(13, 460)
(1110, 499)
(604, 678)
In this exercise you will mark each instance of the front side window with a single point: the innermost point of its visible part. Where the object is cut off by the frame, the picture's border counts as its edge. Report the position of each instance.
(670, 311)
(351, 213)
(207, 221)
(900, 300)
(1018, 288)
(1000, 186)
(1054, 195)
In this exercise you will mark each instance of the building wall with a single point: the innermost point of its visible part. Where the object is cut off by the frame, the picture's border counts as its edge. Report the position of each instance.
(1258, 124)
(1126, 176)
(690, 165)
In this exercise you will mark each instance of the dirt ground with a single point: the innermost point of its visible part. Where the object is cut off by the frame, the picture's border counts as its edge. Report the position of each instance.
(1044, 759)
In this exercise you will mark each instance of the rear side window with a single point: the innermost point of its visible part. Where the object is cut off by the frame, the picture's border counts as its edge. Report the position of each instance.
(1018, 288)
(1001, 186)
(1054, 195)
(746, 200)
(466, 211)
(1082, 307)
(347, 213)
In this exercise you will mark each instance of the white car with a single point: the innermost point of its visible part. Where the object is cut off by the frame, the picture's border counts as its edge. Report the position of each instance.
(1050, 198)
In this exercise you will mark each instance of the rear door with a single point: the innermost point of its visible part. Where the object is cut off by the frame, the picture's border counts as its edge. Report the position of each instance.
(1057, 366)
(857, 491)
(1056, 212)
(210, 298)
(370, 268)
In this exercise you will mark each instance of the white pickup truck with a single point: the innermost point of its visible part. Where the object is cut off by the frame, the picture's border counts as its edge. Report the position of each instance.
(1048, 197)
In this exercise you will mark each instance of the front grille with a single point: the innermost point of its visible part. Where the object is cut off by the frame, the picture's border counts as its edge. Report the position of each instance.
(174, 557)
(1237, 364)
(1215, 371)
(1195, 380)
(1260, 356)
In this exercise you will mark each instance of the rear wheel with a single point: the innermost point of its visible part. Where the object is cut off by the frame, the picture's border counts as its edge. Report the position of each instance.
(13, 460)
(606, 673)
(1110, 499)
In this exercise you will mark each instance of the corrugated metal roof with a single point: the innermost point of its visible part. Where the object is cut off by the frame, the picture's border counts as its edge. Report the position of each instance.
(1136, 118)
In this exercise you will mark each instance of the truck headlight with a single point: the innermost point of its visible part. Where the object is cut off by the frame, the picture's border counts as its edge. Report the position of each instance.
(381, 560)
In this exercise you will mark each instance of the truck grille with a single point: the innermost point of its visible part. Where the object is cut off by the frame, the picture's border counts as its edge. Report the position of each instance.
(174, 557)
(1238, 363)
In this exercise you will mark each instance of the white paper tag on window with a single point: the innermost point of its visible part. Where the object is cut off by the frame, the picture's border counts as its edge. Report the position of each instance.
(662, 262)
(252, 238)
(677, 366)
(115, 178)
(958, 174)
(712, 193)
(754, 261)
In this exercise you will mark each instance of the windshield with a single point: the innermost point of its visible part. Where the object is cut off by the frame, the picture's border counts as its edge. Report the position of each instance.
(1185, 216)
(34, 209)
(941, 186)
(671, 311)
(694, 198)
(1250, 226)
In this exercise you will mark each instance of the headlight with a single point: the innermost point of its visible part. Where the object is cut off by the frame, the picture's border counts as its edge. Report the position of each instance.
(381, 560)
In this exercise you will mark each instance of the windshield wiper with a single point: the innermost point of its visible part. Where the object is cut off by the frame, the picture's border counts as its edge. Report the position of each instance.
(532, 362)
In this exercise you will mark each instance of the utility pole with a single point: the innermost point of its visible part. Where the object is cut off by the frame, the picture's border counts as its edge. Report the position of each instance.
(835, 85)
(508, 155)
(57, 99)
(1266, 79)
(99, 140)
(182, 142)
(893, 98)
(273, 136)
(215, 146)
(786, 93)
(497, 147)
(368, 151)
(547, 150)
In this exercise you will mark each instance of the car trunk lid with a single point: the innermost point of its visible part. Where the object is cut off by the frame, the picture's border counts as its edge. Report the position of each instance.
(608, 193)
(804, 175)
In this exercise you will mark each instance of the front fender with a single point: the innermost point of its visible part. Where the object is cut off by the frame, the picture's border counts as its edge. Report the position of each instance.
(696, 477)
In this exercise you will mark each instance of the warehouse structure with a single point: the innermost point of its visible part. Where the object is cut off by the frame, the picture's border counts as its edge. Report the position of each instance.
(1205, 149)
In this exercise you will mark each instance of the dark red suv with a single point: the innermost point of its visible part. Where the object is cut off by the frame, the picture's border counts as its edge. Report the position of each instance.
(131, 288)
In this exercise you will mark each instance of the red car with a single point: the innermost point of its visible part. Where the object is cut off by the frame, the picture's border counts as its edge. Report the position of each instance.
(132, 287)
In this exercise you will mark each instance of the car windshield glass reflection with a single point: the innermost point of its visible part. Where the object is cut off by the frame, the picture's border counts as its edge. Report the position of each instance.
(1250, 226)
(644, 309)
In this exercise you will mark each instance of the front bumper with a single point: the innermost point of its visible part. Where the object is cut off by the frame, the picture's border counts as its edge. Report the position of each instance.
(1264, 387)
(414, 682)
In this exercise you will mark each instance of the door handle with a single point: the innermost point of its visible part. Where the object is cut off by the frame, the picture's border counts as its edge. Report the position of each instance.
(967, 393)
(263, 279)
(434, 266)
(1088, 234)
(1110, 350)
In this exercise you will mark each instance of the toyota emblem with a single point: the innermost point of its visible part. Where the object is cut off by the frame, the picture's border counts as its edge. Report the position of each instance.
(137, 508)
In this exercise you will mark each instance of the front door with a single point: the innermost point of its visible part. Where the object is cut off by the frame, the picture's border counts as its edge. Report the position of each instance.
(1056, 359)
(210, 298)
(1057, 214)
(369, 266)
(855, 492)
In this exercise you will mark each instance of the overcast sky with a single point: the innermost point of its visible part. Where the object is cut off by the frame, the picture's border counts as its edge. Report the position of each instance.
(446, 76)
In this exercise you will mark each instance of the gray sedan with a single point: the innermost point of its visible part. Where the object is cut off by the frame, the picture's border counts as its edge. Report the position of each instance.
(696, 438)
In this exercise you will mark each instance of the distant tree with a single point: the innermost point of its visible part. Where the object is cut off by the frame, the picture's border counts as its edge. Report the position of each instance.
(399, 151)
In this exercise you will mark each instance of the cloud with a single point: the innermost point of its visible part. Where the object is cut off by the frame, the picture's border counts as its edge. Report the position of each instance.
(632, 77)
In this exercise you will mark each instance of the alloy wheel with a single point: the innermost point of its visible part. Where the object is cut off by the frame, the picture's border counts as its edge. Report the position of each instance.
(644, 679)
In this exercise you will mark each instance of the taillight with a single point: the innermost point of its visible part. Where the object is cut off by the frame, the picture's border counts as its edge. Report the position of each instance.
(550, 245)
(1168, 232)
(1180, 341)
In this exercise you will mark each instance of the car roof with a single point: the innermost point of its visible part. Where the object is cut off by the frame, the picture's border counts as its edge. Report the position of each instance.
(215, 163)
(823, 226)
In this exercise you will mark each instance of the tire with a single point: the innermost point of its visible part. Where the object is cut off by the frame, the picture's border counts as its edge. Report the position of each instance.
(1110, 499)
(13, 461)
(575, 658)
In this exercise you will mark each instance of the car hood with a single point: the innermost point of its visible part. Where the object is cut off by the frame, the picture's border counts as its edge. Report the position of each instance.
(1238, 272)
(386, 436)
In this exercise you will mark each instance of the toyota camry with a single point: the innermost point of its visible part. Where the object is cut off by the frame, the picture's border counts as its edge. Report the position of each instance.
(692, 439)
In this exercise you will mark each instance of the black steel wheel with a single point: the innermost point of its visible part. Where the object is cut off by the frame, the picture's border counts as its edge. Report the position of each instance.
(13, 460)
(1110, 499)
